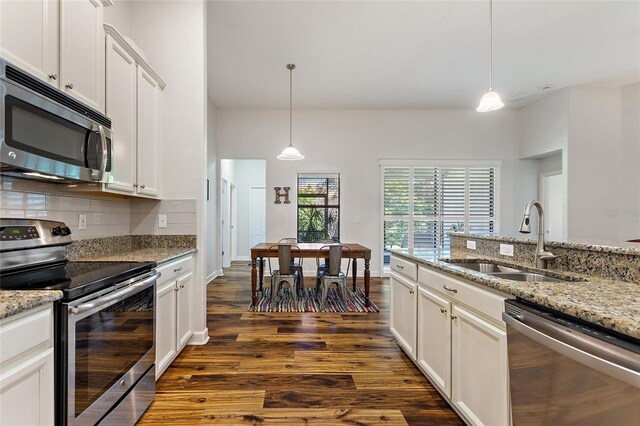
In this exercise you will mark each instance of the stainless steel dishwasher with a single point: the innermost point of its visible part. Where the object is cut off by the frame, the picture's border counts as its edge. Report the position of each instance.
(563, 372)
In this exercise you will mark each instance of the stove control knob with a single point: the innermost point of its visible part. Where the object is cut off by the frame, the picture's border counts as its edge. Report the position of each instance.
(58, 230)
(66, 231)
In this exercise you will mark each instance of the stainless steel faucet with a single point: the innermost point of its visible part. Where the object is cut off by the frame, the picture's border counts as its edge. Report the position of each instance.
(542, 256)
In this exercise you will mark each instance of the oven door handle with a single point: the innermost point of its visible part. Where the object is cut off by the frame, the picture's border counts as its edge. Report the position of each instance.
(119, 294)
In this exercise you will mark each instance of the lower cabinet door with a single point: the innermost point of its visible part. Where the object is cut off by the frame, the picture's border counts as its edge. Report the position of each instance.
(403, 313)
(165, 326)
(479, 369)
(185, 310)
(434, 339)
(27, 392)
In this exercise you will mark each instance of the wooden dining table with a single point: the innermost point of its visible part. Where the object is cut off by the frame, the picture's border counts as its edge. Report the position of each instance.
(307, 251)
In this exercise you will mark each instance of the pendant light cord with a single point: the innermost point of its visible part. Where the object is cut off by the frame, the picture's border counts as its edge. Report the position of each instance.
(490, 45)
(290, 106)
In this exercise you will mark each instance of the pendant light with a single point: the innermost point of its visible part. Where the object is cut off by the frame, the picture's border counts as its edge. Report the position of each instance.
(491, 100)
(290, 153)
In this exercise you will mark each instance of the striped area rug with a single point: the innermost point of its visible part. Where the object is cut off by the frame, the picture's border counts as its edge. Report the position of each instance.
(354, 302)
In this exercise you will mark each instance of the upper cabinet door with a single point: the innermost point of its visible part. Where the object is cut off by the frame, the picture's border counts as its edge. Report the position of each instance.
(121, 108)
(82, 51)
(148, 134)
(29, 37)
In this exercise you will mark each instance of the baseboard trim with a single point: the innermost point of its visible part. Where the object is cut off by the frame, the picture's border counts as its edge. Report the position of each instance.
(242, 259)
(212, 276)
(199, 337)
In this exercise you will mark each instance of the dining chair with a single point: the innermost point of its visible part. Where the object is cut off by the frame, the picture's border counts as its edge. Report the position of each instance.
(296, 266)
(331, 272)
(285, 274)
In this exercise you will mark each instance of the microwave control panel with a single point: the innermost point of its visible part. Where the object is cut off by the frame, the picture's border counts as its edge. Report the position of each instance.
(13, 233)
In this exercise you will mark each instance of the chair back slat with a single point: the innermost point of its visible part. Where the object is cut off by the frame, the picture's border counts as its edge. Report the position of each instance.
(284, 258)
(335, 259)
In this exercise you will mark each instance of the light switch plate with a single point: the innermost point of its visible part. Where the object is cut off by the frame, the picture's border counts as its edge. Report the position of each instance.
(471, 245)
(506, 249)
(82, 221)
(162, 221)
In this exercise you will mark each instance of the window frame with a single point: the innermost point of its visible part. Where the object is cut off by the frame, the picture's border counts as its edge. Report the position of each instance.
(326, 206)
(411, 217)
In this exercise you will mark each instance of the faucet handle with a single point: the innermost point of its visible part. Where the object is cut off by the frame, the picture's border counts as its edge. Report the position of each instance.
(545, 255)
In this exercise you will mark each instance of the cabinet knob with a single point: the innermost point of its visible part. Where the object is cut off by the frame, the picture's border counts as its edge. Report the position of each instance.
(135, 185)
(453, 317)
(444, 311)
(411, 292)
(53, 76)
(176, 289)
(69, 86)
(141, 186)
(182, 286)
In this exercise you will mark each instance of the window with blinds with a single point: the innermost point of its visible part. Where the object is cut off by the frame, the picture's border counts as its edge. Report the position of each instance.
(423, 204)
(318, 207)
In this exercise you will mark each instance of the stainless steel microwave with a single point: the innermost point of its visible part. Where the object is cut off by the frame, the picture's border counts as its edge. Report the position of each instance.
(48, 135)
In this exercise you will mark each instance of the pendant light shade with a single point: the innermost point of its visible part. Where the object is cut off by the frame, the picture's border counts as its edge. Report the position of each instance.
(290, 153)
(491, 100)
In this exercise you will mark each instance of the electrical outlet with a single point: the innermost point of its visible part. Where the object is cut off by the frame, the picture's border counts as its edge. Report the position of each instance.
(162, 221)
(471, 245)
(506, 249)
(82, 221)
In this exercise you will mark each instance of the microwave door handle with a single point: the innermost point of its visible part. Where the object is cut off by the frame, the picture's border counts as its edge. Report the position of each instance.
(103, 159)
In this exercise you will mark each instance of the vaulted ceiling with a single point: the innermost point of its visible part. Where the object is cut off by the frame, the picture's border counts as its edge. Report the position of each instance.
(417, 54)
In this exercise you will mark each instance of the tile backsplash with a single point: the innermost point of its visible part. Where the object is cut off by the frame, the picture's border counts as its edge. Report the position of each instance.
(106, 216)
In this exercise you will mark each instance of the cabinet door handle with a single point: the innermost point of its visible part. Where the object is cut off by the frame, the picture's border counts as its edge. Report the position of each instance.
(69, 86)
(450, 289)
(399, 266)
(453, 317)
(53, 76)
(178, 269)
(444, 311)
(411, 291)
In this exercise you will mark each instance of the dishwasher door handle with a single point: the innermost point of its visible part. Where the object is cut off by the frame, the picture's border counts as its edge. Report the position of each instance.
(589, 359)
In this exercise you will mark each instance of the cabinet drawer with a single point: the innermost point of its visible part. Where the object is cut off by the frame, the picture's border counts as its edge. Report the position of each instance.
(484, 301)
(172, 270)
(404, 267)
(26, 331)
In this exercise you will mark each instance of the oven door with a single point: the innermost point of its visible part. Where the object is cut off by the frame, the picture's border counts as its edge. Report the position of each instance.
(40, 135)
(110, 347)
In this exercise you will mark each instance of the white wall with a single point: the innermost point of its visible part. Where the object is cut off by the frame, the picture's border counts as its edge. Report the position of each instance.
(119, 15)
(630, 147)
(352, 142)
(543, 125)
(172, 34)
(213, 268)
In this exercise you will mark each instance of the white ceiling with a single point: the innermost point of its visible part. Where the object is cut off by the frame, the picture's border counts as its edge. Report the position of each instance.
(418, 54)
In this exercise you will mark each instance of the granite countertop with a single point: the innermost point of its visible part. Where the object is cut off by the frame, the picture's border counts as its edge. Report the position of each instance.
(612, 304)
(156, 254)
(15, 301)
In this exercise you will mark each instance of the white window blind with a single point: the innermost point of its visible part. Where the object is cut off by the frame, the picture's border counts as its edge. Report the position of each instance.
(423, 204)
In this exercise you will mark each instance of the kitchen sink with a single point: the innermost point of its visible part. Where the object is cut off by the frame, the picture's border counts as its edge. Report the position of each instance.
(485, 267)
(526, 276)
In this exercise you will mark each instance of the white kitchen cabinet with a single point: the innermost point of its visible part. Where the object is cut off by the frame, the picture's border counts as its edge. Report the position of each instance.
(82, 51)
(29, 37)
(403, 313)
(434, 338)
(166, 331)
(174, 312)
(148, 133)
(26, 368)
(480, 383)
(121, 108)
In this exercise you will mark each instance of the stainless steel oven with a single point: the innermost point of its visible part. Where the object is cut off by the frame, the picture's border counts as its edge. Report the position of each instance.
(48, 135)
(109, 353)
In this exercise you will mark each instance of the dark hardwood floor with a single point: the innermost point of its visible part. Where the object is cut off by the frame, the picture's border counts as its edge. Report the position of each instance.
(280, 368)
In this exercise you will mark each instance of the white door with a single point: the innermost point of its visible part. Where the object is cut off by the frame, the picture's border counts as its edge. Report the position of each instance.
(29, 37)
(434, 338)
(165, 325)
(224, 206)
(82, 51)
(403, 313)
(552, 188)
(27, 392)
(148, 135)
(480, 385)
(185, 310)
(257, 215)
(121, 108)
